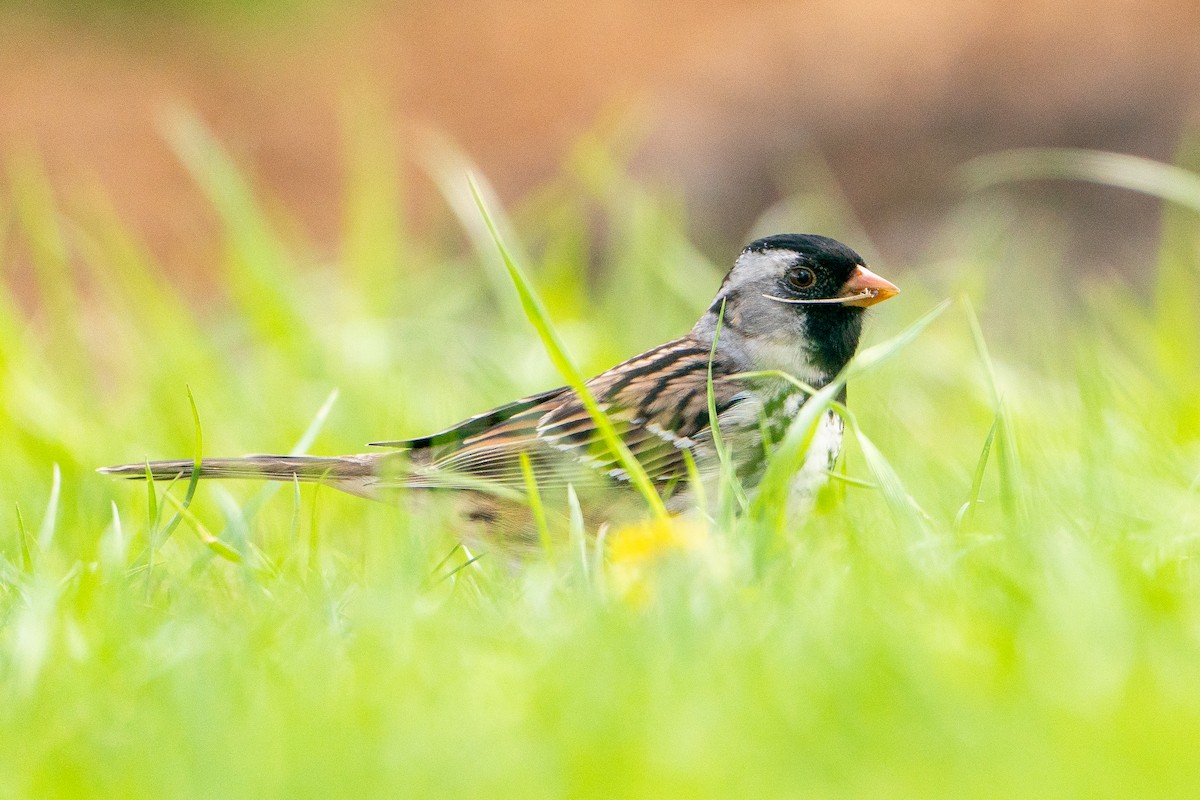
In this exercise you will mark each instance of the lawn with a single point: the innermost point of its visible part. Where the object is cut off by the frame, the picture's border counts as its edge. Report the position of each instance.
(999, 599)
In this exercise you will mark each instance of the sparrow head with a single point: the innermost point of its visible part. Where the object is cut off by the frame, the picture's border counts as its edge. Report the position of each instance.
(795, 302)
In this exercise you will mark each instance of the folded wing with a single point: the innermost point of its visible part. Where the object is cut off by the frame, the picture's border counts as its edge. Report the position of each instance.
(657, 403)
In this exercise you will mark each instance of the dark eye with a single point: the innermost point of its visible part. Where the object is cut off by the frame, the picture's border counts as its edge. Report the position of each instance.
(801, 278)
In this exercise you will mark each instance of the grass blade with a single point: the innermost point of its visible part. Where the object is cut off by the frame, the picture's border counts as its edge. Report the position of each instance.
(695, 482)
(23, 536)
(535, 311)
(535, 502)
(151, 503)
(256, 503)
(728, 480)
(314, 531)
(770, 504)
(1177, 295)
(1094, 166)
(113, 546)
(1007, 458)
(194, 481)
(967, 511)
(577, 531)
(902, 504)
(214, 544)
(38, 218)
(373, 240)
(456, 178)
(50, 520)
(868, 359)
(260, 272)
(849, 481)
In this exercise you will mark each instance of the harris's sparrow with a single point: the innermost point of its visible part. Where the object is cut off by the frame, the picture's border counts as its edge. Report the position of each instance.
(792, 303)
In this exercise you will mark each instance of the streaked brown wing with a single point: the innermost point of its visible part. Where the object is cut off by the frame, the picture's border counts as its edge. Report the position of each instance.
(472, 426)
(657, 402)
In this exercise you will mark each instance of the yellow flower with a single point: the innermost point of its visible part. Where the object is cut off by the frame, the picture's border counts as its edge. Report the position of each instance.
(634, 550)
(648, 539)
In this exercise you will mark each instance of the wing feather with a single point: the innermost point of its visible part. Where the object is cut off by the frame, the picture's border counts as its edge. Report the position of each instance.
(480, 423)
(657, 402)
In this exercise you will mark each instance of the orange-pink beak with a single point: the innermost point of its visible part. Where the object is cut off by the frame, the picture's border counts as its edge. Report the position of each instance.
(872, 288)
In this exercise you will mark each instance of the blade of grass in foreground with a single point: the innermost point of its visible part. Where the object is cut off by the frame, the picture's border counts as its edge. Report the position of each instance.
(194, 481)
(578, 537)
(1177, 292)
(38, 219)
(456, 178)
(903, 505)
(314, 531)
(23, 536)
(262, 276)
(50, 520)
(729, 479)
(1007, 458)
(1111, 169)
(770, 504)
(1178, 263)
(214, 544)
(967, 511)
(123, 271)
(151, 505)
(887, 480)
(374, 240)
(255, 504)
(113, 545)
(535, 503)
(536, 313)
(873, 356)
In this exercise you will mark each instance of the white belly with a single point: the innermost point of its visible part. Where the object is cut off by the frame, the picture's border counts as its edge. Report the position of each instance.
(822, 454)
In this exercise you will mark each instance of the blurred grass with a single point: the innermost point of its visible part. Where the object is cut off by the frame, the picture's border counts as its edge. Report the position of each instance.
(139, 13)
(1044, 644)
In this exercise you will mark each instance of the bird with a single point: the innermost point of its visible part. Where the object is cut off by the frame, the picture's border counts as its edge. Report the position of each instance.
(791, 304)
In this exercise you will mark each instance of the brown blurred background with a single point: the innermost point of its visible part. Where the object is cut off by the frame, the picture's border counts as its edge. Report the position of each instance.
(734, 101)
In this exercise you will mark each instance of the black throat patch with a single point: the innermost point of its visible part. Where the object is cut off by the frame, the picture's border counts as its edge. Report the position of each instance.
(833, 334)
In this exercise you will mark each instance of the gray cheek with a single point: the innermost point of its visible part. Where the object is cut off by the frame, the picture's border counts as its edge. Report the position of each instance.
(771, 319)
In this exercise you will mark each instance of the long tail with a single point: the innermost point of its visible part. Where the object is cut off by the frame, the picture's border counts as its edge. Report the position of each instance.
(353, 474)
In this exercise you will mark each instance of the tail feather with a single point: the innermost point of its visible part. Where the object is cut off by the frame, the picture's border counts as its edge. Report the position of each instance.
(350, 473)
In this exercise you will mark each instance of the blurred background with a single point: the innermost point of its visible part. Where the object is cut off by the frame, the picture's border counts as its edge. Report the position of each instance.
(255, 212)
(732, 105)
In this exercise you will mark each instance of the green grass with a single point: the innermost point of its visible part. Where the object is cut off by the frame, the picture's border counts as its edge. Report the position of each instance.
(119, 15)
(1008, 607)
